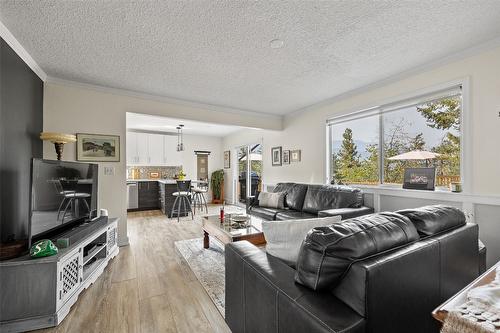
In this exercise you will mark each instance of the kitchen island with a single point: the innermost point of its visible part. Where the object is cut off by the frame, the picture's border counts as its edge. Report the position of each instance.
(150, 194)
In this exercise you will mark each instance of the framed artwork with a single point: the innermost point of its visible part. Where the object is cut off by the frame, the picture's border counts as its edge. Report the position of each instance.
(419, 178)
(97, 147)
(286, 157)
(227, 159)
(276, 156)
(295, 155)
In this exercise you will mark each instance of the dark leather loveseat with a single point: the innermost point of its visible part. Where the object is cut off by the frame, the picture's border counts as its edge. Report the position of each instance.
(378, 273)
(305, 201)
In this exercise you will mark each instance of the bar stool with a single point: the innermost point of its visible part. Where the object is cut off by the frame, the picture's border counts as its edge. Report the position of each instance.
(199, 196)
(182, 199)
(61, 192)
(73, 198)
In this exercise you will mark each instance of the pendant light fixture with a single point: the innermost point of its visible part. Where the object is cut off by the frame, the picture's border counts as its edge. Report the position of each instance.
(180, 141)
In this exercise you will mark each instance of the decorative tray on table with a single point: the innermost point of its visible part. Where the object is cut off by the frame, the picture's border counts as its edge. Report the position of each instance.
(239, 221)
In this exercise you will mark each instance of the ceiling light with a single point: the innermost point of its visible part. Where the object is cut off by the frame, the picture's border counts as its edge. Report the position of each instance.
(180, 143)
(276, 43)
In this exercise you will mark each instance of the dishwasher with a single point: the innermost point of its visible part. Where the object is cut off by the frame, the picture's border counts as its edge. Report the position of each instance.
(132, 195)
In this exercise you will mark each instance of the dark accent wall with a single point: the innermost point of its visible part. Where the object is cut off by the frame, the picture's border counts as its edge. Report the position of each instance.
(21, 121)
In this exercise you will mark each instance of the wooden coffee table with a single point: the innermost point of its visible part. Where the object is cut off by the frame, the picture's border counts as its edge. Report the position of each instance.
(225, 233)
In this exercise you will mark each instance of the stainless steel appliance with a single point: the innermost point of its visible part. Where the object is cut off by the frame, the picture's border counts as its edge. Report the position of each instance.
(132, 195)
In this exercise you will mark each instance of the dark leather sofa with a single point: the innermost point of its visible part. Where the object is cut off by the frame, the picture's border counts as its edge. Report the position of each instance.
(390, 285)
(305, 201)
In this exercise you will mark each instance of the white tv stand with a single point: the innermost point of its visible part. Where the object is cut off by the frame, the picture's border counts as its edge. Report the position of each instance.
(38, 293)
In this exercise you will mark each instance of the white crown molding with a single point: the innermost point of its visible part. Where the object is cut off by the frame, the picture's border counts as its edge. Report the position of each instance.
(159, 98)
(21, 52)
(469, 52)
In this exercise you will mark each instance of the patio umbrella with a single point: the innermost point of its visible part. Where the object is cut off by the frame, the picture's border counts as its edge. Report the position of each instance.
(415, 155)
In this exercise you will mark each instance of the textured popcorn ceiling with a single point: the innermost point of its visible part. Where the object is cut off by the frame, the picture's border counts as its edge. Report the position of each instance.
(147, 122)
(218, 52)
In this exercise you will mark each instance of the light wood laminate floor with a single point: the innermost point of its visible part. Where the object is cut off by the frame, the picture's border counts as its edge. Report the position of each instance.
(147, 287)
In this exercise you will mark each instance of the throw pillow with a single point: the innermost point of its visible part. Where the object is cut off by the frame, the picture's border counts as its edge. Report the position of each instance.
(284, 238)
(272, 200)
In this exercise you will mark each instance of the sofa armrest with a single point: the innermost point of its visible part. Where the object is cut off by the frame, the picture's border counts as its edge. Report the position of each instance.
(482, 257)
(252, 201)
(261, 295)
(346, 213)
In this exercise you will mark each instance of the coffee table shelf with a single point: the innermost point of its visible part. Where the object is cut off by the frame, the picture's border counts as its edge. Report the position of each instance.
(226, 233)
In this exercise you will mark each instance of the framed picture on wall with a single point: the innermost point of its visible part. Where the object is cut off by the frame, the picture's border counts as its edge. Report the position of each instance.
(227, 159)
(97, 147)
(295, 155)
(276, 156)
(286, 157)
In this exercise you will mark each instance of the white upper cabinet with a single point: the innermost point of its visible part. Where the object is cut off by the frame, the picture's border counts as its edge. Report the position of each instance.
(152, 149)
(143, 148)
(132, 157)
(155, 149)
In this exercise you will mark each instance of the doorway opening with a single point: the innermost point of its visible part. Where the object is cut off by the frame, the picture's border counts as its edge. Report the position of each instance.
(249, 177)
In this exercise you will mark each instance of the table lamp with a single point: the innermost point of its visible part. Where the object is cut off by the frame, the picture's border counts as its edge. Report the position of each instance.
(58, 139)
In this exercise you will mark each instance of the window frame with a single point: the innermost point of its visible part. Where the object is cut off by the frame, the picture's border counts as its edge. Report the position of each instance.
(415, 98)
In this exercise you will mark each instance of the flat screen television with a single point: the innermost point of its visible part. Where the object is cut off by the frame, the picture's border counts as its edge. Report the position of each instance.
(62, 194)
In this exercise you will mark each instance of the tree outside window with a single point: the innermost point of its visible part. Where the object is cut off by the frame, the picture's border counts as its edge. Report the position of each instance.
(431, 126)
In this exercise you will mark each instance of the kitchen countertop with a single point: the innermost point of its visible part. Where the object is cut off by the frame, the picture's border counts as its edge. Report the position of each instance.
(159, 180)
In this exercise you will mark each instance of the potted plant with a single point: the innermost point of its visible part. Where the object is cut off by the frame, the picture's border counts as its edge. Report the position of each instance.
(181, 175)
(217, 183)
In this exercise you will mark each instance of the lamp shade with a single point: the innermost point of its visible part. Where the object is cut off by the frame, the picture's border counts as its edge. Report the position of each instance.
(57, 137)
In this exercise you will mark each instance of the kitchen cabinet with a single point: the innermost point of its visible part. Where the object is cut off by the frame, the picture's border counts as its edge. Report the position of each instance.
(148, 195)
(132, 157)
(142, 148)
(156, 149)
(152, 149)
(137, 148)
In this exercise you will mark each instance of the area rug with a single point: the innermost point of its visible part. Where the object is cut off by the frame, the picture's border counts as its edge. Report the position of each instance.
(207, 265)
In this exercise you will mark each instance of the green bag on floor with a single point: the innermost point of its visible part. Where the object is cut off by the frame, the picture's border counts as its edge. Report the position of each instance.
(43, 248)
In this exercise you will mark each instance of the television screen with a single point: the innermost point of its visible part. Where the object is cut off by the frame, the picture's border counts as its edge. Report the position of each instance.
(61, 193)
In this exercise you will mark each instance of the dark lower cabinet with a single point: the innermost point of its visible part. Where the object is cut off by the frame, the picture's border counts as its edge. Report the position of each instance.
(167, 199)
(148, 195)
(157, 195)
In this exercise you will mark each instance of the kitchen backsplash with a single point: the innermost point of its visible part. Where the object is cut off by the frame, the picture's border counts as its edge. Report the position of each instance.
(143, 172)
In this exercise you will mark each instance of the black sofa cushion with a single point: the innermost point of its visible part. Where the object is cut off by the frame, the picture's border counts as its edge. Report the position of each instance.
(293, 215)
(295, 194)
(323, 197)
(265, 212)
(327, 252)
(261, 287)
(431, 220)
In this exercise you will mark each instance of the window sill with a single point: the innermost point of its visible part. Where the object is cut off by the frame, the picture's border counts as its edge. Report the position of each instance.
(438, 194)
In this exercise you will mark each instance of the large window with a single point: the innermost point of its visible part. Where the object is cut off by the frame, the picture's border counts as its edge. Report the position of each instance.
(375, 146)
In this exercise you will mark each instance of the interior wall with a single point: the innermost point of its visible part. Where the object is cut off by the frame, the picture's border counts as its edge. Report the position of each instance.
(201, 142)
(75, 109)
(21, 121)
(307, 130)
